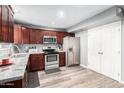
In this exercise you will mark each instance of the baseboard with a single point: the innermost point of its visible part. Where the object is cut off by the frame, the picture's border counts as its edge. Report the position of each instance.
(83, 66)
(122, 82)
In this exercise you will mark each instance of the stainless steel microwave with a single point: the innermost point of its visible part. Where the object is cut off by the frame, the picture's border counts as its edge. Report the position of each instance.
(49, 39)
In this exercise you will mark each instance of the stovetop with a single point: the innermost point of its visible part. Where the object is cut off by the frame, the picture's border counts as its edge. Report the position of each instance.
(46, 53)
(50, 51)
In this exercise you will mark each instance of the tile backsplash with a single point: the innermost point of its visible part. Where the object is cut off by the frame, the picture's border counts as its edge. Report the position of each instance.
(40, 47)
(5, 48)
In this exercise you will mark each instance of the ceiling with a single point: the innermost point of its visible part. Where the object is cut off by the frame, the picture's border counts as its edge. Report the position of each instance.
(55, 16)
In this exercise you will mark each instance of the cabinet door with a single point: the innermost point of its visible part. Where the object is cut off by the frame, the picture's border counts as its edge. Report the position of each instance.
(37, 62)
(11, 27)
(59, 37)
(46, 33)
(52, 33)
(62, 59)
(25, 35)
(35, 36)
(94, 47)
(1, 23)
(17, 34)
(71, 34)
(38, 37)
(41, 36)
(5, 23)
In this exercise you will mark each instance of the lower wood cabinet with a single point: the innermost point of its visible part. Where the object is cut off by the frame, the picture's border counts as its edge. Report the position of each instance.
(37, 62)
(21, 83)
(61, 59)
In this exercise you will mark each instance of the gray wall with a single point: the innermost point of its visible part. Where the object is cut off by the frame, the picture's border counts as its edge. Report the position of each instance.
(83, 47)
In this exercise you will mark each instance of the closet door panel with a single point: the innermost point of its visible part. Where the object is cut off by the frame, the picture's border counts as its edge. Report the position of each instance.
(106, 62)
(111, 47)
(94, 46)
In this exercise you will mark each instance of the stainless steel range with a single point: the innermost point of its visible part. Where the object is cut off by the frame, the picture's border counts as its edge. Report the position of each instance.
(51, 59)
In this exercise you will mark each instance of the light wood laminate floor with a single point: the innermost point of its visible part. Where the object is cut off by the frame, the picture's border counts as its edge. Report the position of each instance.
(72, 77)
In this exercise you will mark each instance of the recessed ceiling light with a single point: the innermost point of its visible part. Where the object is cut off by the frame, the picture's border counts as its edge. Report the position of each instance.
(61, 14)
(53, 23)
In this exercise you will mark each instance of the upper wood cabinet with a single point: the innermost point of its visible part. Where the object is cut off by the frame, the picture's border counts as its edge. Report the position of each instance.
(59, 37)
(17, 34)
(21, 35)
(11, 27)
(35, 36)
(25, 35)
(6, 23)
(0, 23)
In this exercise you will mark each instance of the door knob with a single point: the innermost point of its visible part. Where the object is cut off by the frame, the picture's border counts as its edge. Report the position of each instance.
(100, 53)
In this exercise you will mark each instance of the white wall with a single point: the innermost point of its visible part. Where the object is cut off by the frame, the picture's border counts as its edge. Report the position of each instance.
(122, 51)
(83, 47)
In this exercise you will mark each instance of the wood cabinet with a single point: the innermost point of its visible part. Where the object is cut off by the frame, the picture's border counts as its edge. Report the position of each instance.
(21, 83)
(59, 38)
(37, 62)
(11, 27)
(25, 33)
(21, 35)
(5, 21)
(61, 35)
(62, 59)
(6, 24)
(17, 34)
(0, 23)
(36, 36)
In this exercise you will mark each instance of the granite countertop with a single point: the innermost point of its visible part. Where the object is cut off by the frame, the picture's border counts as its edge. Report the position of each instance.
(16, 70)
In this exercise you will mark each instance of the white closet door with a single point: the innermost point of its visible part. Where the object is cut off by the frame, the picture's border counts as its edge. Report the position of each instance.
(111, 47)
(94, 46)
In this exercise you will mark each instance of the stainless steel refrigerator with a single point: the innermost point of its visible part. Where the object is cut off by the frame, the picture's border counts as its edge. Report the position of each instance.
(71, 45)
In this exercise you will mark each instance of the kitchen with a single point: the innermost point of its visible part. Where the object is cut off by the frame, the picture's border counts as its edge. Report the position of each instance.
(36, 55)
(44, 47)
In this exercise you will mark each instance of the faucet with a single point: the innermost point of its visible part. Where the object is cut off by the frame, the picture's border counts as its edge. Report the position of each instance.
(17, 48)
(11, 51)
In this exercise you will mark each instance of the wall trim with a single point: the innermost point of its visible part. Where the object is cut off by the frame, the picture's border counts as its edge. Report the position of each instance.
(120, 81)
(84, 66)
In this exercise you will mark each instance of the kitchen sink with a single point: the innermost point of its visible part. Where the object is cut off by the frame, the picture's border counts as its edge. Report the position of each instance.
(19, 55)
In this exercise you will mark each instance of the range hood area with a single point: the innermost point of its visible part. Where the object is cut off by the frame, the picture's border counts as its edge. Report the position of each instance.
(111, 15)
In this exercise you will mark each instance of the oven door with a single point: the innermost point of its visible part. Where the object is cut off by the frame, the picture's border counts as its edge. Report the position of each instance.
(51, 59)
